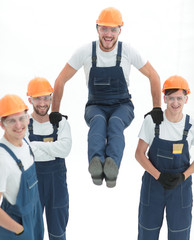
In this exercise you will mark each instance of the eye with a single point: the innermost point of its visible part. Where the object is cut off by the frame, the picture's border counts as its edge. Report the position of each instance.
(179, 99)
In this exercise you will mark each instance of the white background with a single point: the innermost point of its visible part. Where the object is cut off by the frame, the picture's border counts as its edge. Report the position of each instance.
(38, 37)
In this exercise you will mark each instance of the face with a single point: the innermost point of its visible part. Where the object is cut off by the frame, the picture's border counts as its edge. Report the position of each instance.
(108, 37)
(15, 126)
(41, 104)
(175, 102)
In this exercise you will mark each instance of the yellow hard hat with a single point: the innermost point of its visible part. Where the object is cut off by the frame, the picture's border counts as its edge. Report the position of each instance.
(11, 104)
(110, 17)
(39, 87)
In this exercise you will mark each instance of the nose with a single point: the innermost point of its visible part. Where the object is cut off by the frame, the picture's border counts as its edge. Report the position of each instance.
(18, 123)
(176, 102)
(108, 32)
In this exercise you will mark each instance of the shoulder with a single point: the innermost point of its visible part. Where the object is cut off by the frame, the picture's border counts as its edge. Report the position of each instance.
(64, 122)
(191, 121)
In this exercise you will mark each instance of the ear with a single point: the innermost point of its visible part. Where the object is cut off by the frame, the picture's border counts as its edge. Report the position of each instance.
(165, 99)
(186, 99)
(29, 100)
(97, 29)
(2, 125)
(28, 118)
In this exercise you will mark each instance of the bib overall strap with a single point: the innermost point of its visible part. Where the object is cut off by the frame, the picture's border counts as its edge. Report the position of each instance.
(94, 57)
(187, 127)
(157, 130)
(30, 129)
(30, 126)
(19, 163)
(31, 152)
(55, 130)
(119, 54)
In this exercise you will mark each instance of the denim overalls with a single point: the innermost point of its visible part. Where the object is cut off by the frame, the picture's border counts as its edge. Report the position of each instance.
(27, 211)
(52, 187)
(108, 110)
(154, 198)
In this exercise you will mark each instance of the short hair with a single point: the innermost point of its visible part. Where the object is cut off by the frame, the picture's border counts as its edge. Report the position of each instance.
(173, 90)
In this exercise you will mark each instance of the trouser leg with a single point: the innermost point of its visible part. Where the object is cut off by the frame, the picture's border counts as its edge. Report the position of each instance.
(96, 120)
(118, 121)
(178, 211)
(151, 208)
(57, 206)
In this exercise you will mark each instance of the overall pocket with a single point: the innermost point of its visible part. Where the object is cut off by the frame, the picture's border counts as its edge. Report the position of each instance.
(60, 191)
(145, 189)
(186, 193)
(165, 160)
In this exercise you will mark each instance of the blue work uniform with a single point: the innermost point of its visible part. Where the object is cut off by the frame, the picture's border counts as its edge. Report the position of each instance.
(52, 187)
(27, 211)
(154, 198)
(109, 109)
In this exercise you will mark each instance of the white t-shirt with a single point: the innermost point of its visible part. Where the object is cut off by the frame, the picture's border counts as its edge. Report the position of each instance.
(10, 174)
(47, 151)
(168, 130)
(130, 56)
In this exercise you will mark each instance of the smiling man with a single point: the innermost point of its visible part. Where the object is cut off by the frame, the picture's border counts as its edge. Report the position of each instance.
(20, 211)
(50, 144)
(167, 182)
(109, 110)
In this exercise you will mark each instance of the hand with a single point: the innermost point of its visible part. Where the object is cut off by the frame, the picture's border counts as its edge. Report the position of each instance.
(171, 180)
(21, 231)
(157, 115)
(55, 118)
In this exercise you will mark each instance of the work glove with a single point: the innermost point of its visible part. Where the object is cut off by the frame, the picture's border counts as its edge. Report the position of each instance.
(55, 118)
(157, 115)
(171, 180)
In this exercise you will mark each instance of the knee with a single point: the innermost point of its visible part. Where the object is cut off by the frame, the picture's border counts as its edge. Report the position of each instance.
(116, 121)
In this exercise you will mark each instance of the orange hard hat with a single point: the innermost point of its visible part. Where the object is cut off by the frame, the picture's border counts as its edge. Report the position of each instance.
(110, 17)
(176, 82)
(11, 104)
(39, 87)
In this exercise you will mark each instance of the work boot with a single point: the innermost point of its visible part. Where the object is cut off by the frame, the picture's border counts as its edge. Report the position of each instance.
(110, 171)
(96, 171)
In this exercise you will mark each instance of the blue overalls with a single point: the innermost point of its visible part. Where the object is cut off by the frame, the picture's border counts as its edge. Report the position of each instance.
(154, 198)
(108, 110)
(52, 187)
(27, 211)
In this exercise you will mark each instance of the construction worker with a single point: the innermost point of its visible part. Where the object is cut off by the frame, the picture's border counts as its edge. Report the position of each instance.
(20, 211)
(109, 109)
(166, 183)
(50, 144)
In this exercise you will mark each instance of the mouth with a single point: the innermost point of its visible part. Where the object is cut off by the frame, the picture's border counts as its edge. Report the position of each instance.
(175, 107)
(19, 131)
(42, 108)
(108, 39)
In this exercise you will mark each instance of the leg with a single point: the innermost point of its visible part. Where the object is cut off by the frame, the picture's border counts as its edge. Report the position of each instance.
(151, 209)
(121, 117)
(118, 121)
(179, 208)
(57, 206)
(96, 120)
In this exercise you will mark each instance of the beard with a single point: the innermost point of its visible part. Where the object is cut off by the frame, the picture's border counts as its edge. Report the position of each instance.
(107, 48)
(41, 113)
